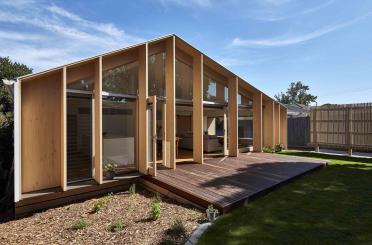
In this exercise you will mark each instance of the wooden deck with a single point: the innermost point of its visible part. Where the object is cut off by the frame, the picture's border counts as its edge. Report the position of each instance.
(231, 181)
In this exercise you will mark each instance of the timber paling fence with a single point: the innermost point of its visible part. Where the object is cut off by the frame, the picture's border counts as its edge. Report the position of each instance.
(298, 132)
(347, 127)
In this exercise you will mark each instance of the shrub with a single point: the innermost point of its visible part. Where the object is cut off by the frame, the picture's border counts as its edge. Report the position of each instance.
(79, 224)
(197, 216)
(155, 210)
(177, 228)
(132, 190)
(267, 149)
(100, 203)
(116, 226)
(278, 148)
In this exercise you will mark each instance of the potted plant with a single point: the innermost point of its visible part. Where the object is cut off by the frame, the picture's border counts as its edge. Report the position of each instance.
(212, 213)
(109, 169)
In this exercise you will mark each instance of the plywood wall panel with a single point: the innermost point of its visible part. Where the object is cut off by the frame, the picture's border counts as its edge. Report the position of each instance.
(41, 133)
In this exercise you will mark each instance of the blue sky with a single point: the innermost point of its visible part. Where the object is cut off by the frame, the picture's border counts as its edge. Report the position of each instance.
(327, 44)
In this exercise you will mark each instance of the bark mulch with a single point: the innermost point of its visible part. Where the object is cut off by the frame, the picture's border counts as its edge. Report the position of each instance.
(55, 226)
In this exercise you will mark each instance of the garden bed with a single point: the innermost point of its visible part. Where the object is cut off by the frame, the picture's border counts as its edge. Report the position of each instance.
(126, 213)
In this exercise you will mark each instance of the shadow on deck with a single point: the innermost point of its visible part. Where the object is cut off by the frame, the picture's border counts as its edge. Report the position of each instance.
(231, 181)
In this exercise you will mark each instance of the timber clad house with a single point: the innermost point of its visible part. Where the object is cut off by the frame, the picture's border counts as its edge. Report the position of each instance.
(152, 105)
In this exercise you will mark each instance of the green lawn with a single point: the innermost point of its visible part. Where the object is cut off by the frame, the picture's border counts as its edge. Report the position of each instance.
(328, 206)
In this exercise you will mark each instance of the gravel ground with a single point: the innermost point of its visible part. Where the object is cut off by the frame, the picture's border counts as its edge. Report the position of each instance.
(54, 226)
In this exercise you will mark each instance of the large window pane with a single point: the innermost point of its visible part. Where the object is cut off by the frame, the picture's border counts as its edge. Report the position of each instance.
(183, 81)
(157, 74)
(214, 90)
(245, 127)
(79, 137)
(122, 79)
(119, 130)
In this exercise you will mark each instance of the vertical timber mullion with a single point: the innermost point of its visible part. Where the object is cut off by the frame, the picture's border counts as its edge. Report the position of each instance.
(98, 121)
(233, 117)
(257, 122)
(170, 100)
(142, 110)
(64, 130)
(197, 106)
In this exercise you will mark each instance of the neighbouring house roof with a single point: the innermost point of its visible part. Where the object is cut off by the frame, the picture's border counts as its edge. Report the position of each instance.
(297, 110)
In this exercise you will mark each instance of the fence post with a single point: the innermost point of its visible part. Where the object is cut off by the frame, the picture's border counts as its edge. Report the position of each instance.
(315, 135)
(349, 125)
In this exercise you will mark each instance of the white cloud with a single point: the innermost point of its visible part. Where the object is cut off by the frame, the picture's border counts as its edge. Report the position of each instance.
(17, 36)
(290, 40)
(54, 35)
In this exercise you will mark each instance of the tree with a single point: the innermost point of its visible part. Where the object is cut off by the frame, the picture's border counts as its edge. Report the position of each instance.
(296, 93)
(8, 70)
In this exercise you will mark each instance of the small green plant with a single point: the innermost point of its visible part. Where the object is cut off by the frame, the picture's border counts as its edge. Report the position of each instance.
(102, 202)
(177, 228)
(155, 209)
(79, 224)
(267, 149)
(116, 226)
(212, 213)
(278, 148)
(211, 209)
(132, 190)
(109, 166)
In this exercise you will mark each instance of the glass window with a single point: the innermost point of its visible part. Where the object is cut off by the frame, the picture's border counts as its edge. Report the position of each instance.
(85, 84)
(157, 74)
(119, 133)
(213, 90)
(183, 81)
(243, 100)
(122, 79)
(245, 127)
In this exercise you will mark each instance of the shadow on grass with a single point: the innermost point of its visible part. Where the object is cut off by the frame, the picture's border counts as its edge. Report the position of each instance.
(331, 206)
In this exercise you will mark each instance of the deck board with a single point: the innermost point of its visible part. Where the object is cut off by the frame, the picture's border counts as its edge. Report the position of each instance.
(229, 181)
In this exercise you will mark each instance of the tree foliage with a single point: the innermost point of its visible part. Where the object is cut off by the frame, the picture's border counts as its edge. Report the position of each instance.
(296, 93)
(8, 70)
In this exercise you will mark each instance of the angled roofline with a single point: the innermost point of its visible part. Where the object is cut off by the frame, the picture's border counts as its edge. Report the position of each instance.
(232, 74)
(32, 75)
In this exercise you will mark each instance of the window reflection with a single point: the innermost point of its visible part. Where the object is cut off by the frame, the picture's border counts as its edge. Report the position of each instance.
(213, 90)
(122, 79)
(85, 84)
(183, 81)
(156, 74)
